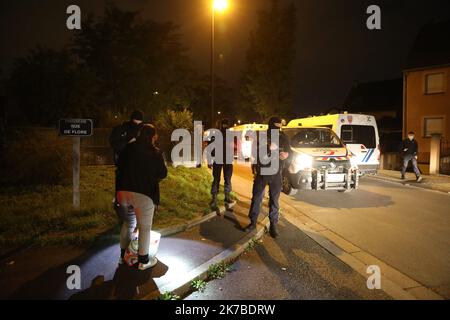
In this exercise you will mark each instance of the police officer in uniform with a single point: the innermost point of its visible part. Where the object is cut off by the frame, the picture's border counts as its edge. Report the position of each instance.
(274, 180)
(227, 169)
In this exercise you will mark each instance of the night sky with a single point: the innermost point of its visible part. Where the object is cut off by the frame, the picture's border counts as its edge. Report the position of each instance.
(334, 47)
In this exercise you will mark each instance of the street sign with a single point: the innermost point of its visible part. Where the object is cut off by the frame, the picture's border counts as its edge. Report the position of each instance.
(75, 127)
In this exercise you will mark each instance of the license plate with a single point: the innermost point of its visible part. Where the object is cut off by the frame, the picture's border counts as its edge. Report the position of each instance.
(336, 177)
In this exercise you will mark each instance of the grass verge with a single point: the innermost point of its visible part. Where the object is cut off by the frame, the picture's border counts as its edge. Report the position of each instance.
(43, 215)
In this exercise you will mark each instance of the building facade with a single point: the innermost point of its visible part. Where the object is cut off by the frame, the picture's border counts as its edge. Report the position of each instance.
(426, 91)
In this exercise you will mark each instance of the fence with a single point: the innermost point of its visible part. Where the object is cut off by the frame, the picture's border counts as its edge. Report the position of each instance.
(95, 150)
(444, 167)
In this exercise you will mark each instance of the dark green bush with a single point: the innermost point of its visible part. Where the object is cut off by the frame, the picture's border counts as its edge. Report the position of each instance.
(36, 156)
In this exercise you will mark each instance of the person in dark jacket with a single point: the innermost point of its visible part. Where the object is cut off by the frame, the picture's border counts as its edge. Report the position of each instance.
(410, 149)
(274, 180)
(140, 169)
(226, 167)
(126, 133)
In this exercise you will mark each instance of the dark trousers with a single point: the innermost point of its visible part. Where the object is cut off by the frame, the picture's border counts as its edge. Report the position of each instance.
(227, 173)
(259, 187)
(406, 159)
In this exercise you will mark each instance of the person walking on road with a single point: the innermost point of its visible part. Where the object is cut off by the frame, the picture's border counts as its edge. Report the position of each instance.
(141, 167)
(274, 181)
(410, 149)
(218, 167)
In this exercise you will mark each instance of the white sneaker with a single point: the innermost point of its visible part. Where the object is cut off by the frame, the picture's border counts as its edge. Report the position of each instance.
(419, 179)
(151, 263)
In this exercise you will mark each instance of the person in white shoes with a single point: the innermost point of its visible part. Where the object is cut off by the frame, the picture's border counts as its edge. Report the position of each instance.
(140, 169)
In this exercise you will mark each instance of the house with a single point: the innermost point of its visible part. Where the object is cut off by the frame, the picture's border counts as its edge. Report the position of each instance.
(426, 89)
(384, 101)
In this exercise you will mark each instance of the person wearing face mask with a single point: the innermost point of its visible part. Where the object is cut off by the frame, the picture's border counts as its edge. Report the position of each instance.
(410, 149)
(227, 169)
(273, 179)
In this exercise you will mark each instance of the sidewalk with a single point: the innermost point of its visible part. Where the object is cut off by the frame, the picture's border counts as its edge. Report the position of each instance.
(40, 273)
(432, 182)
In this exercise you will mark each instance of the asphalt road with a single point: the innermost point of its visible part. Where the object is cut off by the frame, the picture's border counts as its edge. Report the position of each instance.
(291, 267)
(407, 228)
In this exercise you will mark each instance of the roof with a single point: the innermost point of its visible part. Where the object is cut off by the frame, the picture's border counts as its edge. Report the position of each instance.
(288, 127)
(250, 126)
(431, 47)
(375, 96)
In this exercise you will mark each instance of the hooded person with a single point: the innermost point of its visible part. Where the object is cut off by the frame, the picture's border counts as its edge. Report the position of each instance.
(277, 150)
(126, 133)
(141, 168)
(221, 165)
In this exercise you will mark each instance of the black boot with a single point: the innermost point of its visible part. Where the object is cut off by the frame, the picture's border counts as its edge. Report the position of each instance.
(228, 199)
(273, 230)
(250, 227)
(213, 203)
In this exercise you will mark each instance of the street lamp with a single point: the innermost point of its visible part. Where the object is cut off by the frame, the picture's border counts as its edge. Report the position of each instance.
(217, 6)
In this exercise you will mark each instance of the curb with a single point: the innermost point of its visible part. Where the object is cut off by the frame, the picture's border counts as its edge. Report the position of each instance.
(183, 227)
(407, 184)
(394, 283)
(165, 232)
(182, 286)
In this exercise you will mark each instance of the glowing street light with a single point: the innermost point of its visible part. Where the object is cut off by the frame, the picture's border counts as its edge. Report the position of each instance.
(220, 5)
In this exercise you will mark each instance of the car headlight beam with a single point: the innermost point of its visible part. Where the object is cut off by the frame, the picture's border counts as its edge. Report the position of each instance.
(303, 162)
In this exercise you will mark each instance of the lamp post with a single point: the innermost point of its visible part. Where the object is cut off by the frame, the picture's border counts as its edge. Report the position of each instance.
(217, 6)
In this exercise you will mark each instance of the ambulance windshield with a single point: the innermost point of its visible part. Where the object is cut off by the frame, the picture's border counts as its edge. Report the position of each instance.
(313, 138)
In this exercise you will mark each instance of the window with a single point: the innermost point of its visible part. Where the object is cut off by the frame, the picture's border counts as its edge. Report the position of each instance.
(433, 125)
(435, 83)
(313, 138)
(354, 134)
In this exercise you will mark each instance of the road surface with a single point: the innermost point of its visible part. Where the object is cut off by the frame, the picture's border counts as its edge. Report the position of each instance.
(407, 228)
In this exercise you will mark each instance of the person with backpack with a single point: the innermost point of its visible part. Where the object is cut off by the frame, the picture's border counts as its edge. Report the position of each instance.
(126, 133)
(140, 169)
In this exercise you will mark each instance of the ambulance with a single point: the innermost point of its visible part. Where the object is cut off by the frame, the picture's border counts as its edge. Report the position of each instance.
(357, 131)
(318, 160)
(243, 145)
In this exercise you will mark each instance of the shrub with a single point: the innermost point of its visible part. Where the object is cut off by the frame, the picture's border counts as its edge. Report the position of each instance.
(36, 156)
(167, 122)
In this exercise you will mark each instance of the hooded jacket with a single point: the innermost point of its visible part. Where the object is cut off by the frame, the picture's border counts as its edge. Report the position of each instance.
(140, 169)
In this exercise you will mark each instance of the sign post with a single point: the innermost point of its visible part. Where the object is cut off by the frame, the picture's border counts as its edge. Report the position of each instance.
(76, 171)
(76, 128)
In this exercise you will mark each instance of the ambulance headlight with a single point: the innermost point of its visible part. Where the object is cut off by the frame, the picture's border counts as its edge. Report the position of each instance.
(303, 161)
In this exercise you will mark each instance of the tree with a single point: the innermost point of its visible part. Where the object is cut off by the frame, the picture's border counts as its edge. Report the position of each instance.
(40, 84)
(267, 81)
(201, 99)
(169, 120)
(139, 64)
